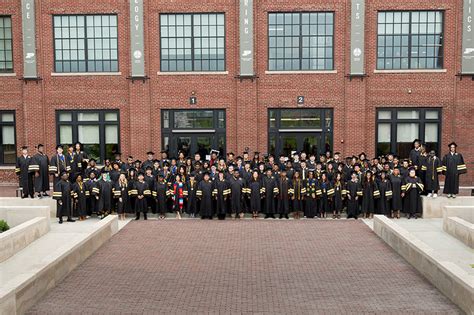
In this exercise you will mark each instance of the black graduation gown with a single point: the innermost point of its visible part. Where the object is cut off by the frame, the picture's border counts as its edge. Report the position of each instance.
(114, 176)
(237, 190)
(432, 167)
(92, 202)
(339, 196)
(415, 158)
(151, 202)
(63, 195)
(104, 192)
(191, 198)
(204, 193)
(369, 193)
(141, 189)
(57, 165)
(383, 205)
(311, 204)
(396, 183)
(131, 196)
(80, 199)
(161, 193)
(325, 197)
(271, 190)
(354, 191)
(283, 198)
(453, 166)
(40, 163)
(24, 169)
(122, 195)
(412, 187)
(297, 192)
(220, 193)
(256, 191)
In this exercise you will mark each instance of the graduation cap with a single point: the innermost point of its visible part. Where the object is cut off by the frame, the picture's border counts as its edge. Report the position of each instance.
(92, 160)
(124, 173)
(140, 174)
(24, 147)
(115, 163)
(163, 151)
(411, 168)
(166, 163)
(214, 152)
(59, 146)
(369, 171)
(40, 146)
(268, 169)
(245, 152)
(230, 153)
(206, 173)
(137, 162)
(192, 174)
(63, 172)
(149, 168)
(416, 140)
(353, 173)
(197, 163)
(239, 158)
(150, 153)
(452, 143)
(161, 175)
(118, 154)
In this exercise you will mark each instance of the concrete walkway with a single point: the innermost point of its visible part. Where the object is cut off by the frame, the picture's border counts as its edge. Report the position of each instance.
(274, 266)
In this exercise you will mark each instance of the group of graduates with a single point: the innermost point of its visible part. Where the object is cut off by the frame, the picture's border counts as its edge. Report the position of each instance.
(301, 185)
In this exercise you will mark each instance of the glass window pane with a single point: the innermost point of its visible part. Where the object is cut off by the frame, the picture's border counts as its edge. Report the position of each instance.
(408, 114)
(111, 117)
(384, 133)
(8, 135)
(432, 114)
(88, 116)
(384, 114)
(8, 117)
(407, 132)
(65, 117)
(88, 134)
(65, 134)
(166, 119)
(431, 132)
(111, 134)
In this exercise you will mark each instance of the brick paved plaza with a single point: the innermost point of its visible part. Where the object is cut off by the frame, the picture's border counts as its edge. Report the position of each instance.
(195, 266)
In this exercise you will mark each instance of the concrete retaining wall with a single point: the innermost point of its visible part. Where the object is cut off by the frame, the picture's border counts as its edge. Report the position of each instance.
(46, 202)
(458, 222)
(21, 296)
(17, 238)
(16, 215)
(433, 207)
(450, 279)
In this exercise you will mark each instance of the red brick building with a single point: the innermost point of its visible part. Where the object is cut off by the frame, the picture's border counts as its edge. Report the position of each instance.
(193, 95)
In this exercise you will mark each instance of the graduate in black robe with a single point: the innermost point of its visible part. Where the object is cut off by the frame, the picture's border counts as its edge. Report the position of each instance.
(132, 178)
(325, 192)
(385, 188)
(340, 193)
(103, 194)
(412, 188)
(221, 192)
(432, 167)
(283, 198)
(25, 170)
(58, 164)
(92, 202)
(141, 191)
(237, 191)
(121, 194)
(271, 191)
(256, 193)
(63, 195)
(297, 192)
(81, 159)
(79, 195)
(40, 163)
(453, 166)
(150, 180)
(190, 194)
(311, 204)
(161, 193)
(354, 192)
(396, 181)
(370, 193)
(204, 193)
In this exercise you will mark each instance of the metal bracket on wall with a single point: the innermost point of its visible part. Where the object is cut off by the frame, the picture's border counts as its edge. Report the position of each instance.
(143, 79)
(461, 75)
(26, 79)
(361, 76)
(246, 77)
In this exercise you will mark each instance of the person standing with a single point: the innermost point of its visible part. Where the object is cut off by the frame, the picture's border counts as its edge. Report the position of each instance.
(121, 193)
(103, 193)
(453, 166)
(385, 188)
(432, 167)
(311, 207)
(370, 193)
(24, 170)
(412, 188)
(220, 193)
(63, 195)
(297, 192)
(271, 190)
(354, 191)
(40, 163)
(283, 198)
(340, 193)
(256, 193)
(178, 196)
(161, 193)
(237, 190)
(80, 158)
(204, 193)
(396, 182)
(141, 191)
(80, 198)
(58, 164)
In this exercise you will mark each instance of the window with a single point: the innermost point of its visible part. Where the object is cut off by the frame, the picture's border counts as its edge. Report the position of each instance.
(192, 42)
(410, 40)
(301, 41)
(8, 137)
(85, 43)
(6, 50)
(98, 131)
(398, 128)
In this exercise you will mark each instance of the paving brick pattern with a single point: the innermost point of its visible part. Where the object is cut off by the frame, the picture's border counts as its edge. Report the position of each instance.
(285, 267)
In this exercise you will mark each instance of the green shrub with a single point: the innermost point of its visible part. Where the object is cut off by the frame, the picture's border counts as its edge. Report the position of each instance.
(3, 226)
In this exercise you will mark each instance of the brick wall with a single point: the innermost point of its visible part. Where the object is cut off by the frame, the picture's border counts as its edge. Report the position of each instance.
(246, 102)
